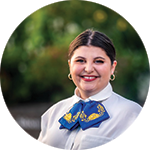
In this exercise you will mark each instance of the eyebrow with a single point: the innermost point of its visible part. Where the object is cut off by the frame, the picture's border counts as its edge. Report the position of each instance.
(79, 57)
(99, 57)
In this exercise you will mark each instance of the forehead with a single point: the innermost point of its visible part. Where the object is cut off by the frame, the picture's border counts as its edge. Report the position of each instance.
(89, 51)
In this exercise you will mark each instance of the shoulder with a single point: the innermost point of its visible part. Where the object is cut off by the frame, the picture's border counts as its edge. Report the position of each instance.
(51, 116)
(58, 107)
(126, 104)
(122, 111)
(126, 101)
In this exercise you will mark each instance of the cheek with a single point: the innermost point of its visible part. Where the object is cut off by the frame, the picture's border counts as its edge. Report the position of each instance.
(76, 69)
(105, 70)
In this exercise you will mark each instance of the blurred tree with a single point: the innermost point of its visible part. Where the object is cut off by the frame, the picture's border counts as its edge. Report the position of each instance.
(34, 63)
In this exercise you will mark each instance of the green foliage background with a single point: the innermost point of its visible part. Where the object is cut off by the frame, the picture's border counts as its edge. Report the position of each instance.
(34, 64)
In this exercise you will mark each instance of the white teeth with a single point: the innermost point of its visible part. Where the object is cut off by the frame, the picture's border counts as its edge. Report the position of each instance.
(89, 77)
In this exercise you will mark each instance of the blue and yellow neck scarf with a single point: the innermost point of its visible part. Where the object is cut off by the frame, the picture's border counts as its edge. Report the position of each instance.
(84, 114)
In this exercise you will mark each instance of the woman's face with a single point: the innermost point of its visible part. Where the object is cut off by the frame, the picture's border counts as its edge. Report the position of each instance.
(90, 69)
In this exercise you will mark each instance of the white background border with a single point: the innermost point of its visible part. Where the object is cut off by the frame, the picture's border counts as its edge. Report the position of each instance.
(13, 12)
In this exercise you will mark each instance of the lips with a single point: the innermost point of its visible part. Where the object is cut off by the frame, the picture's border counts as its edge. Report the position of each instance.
(89, 78)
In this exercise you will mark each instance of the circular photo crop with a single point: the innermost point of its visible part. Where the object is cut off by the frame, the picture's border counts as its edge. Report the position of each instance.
(74, 75)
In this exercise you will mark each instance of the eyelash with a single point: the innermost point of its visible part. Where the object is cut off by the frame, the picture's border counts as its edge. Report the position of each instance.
(96, 61)
(80, 60)
(99, 61)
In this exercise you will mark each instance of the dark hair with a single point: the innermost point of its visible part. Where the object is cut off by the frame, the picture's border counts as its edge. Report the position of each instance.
(93, 38)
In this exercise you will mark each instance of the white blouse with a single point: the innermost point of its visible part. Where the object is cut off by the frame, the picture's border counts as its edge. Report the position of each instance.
(122, 113)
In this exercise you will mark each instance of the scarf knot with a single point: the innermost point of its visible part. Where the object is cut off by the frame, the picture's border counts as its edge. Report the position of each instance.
(84, 115)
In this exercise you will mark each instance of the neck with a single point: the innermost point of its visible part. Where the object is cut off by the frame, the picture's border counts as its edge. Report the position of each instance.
(85, 95)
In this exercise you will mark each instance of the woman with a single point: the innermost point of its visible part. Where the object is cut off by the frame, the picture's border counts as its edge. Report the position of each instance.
(94, 115)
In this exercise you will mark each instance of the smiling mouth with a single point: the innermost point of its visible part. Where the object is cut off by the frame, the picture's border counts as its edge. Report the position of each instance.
(89, 78)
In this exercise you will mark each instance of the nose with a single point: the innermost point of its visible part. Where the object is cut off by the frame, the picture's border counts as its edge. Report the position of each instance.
(89, 68)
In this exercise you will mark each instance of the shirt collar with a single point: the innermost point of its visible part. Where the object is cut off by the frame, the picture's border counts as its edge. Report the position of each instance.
(101, 96)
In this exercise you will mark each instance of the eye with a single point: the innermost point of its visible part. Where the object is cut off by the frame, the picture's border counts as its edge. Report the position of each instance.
(99, 61)
(80, 60)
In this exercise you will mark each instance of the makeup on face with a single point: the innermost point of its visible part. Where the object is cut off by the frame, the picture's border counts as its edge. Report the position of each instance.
(90, 69)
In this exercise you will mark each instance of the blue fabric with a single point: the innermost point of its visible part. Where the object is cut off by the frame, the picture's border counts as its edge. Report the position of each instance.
(84, 114)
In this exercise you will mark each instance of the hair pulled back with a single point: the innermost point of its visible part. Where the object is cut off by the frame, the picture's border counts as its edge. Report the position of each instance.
(93, 38)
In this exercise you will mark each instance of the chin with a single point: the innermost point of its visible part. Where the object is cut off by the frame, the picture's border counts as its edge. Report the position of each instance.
(88, 90)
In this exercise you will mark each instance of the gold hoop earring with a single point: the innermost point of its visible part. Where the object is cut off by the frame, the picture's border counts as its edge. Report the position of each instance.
(112, 77)
(69, 76)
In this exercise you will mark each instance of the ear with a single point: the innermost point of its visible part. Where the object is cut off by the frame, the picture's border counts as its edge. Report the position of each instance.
(113, 66)
(69, 63)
